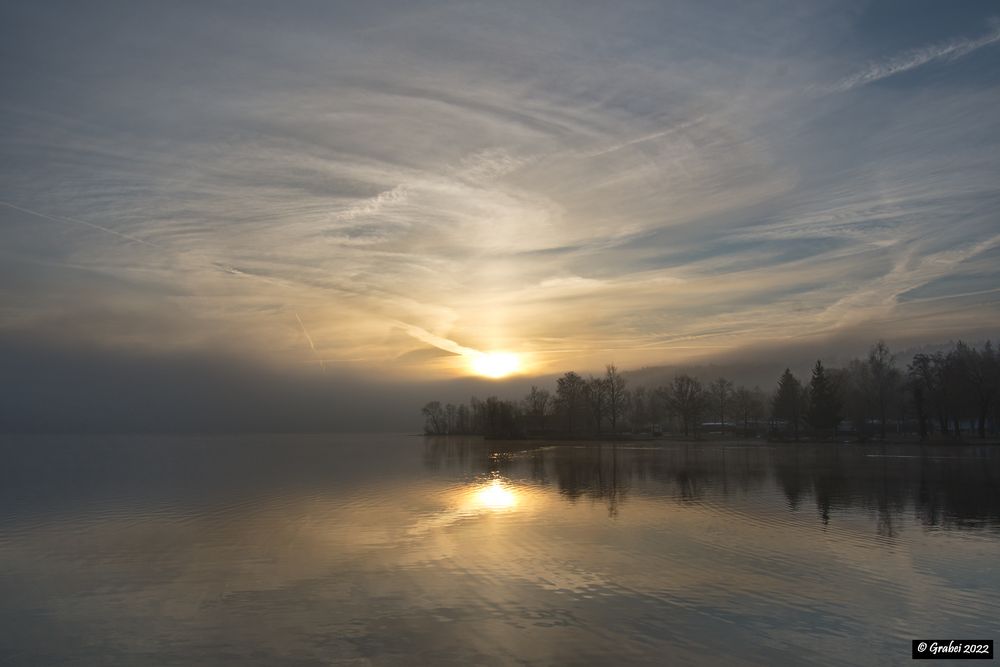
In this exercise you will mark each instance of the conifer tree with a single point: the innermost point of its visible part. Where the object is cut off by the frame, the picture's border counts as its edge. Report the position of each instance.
(824, 402)
(788, 401)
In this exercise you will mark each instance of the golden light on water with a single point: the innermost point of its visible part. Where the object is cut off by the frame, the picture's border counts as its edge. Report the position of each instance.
(496, 496)
(495, 365)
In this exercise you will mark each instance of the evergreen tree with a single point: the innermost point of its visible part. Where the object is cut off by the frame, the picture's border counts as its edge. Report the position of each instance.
(788, 401)
(824, 403)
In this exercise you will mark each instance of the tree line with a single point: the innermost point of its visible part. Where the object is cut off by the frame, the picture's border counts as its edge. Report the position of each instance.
(946, 394)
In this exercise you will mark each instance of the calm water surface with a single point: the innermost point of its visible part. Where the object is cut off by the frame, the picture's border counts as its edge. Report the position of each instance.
(403, 550)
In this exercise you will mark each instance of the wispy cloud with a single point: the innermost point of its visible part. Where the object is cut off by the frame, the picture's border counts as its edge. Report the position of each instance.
(630, 183)
(905, 62)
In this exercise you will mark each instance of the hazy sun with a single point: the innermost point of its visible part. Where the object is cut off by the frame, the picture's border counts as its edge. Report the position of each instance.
(495, 364)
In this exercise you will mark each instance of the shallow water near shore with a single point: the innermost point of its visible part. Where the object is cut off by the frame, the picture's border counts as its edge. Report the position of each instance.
(380, 549)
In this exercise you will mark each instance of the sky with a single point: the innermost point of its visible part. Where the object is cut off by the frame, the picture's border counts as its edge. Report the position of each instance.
(316, 196)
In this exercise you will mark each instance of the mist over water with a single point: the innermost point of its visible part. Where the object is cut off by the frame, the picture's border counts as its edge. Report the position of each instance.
(406, 550)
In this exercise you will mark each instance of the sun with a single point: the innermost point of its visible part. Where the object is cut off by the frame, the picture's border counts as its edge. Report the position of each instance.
(495, 365)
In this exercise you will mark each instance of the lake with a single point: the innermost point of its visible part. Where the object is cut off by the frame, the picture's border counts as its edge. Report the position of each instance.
(403, 550)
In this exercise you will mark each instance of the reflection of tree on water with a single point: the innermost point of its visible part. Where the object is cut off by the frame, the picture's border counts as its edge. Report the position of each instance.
(830, 483)
(538, 472)
(788, 471)
(884, 513)
(950, 487)
(945, 487)
(590, 471)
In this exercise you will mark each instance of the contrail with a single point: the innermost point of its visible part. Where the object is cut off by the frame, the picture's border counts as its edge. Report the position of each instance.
(648, 137)
(305, 332)
(437, 341)
(64, 219)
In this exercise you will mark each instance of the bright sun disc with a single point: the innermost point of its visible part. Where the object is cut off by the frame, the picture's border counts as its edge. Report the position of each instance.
(495, 364)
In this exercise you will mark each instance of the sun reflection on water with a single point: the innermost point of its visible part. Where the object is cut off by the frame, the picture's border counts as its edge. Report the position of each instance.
(496, 495)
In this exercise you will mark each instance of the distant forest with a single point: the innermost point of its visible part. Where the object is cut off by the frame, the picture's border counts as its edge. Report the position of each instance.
(945, 395)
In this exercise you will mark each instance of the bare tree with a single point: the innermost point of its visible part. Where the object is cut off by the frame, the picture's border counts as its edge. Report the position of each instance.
(638, 411)
(855, 382)
(536, 407)
(686, 399)
(570, 398)
(981, 373)
(920, 377)
(502, 419)
(617, 398)
(435, 421)
(596, 393)
(750, 406)
(463, 421)
(537, 402)
(884, 380)
(759, 406)
(721, 391)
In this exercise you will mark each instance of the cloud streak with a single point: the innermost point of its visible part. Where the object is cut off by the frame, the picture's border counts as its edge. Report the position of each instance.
(641, 185)
(905, 62)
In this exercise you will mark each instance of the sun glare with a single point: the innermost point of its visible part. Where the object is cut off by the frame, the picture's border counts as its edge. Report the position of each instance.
(495, 364)
(496, 496)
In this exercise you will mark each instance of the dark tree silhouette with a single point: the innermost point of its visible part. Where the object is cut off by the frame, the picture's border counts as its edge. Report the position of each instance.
(938, 386)
(920, 377)
(596, 394)
(824, 402)
(944, 392)
(956, 394)
(501, 419)
(686, 399)
(536, 407)
(721, 391)
(884, 379)
(750, 406)
(435, 422)
(788, 401)
(570, 399)
(981, 373)
(617, 398)
(638, 408)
